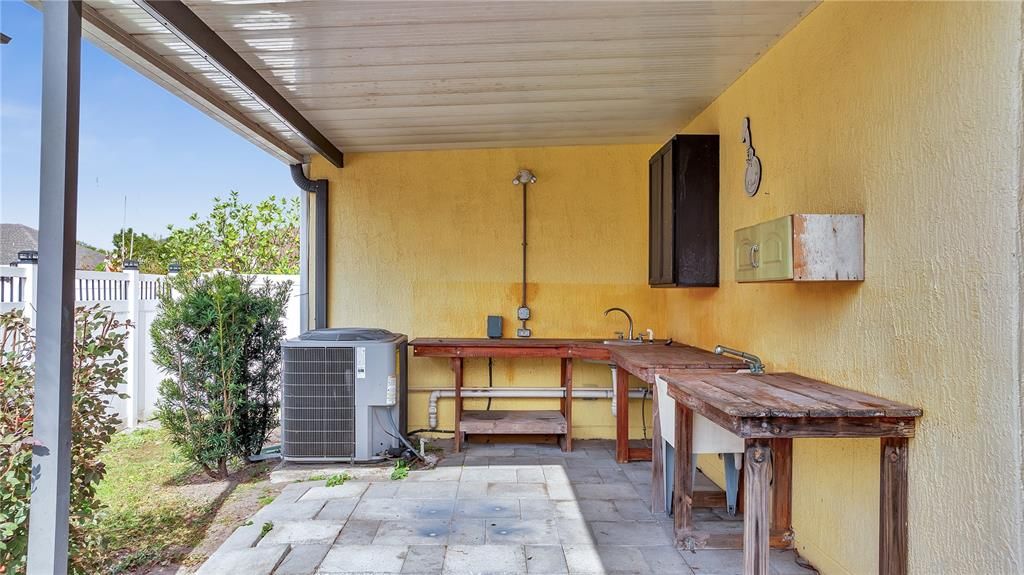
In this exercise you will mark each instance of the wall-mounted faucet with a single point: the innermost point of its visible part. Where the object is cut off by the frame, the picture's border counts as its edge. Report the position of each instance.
(625, 313)
(756, 367)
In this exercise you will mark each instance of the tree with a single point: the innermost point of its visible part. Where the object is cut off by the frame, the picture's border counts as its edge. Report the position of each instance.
(239, 237)
(100, 362)
(218, 340)
(147, 250)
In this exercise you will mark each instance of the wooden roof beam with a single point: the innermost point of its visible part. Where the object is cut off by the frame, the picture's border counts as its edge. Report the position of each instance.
(190, 29)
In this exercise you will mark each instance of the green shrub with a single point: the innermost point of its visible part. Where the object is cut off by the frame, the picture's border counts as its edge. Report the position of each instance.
(218, 340)
(100, 363)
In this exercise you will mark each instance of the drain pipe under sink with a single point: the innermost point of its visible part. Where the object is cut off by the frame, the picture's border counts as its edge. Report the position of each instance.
(524, 393)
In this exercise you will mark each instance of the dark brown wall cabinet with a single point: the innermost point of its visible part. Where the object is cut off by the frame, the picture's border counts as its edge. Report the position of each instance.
(684, 212)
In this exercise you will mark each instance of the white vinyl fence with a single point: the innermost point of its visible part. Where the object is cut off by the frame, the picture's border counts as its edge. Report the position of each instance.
(132, 296)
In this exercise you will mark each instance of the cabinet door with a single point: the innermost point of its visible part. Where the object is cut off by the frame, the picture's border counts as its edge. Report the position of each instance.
(695, 159)
(765, 252)
(660, 271)
(655, 243)
(668, 217)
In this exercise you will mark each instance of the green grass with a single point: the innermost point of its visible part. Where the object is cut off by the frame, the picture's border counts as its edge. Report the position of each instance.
(338, 479)
(145, 523)
(157, 503)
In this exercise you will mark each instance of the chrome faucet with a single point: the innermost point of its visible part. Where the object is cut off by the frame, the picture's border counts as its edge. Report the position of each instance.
(628, 317)
(756, 367)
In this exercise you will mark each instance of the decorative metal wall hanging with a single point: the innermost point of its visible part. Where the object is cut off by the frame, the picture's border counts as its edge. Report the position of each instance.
(752, 176)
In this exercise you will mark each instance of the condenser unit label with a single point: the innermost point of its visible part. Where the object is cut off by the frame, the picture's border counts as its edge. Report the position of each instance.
(360, 363)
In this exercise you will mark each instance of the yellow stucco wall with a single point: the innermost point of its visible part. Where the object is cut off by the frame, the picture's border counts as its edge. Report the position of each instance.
(907, 113)
(911, 115)
(428, 244)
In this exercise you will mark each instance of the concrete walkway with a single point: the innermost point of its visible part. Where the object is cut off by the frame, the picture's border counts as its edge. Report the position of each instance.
(501, 509)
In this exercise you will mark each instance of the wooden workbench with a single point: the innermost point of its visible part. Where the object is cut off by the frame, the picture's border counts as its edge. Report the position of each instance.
(647, 362)
(768, 411)
(509, 421)
(644, 361)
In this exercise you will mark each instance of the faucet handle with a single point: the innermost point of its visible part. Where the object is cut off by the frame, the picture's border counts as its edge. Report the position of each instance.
(622, 335)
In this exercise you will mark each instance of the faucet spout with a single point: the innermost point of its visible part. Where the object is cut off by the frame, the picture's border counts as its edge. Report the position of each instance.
(756, 367)
(625, 313)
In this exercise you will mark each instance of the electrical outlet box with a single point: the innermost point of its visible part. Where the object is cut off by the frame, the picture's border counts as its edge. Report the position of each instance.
(523, 313)
(494, 327)
(523, 332)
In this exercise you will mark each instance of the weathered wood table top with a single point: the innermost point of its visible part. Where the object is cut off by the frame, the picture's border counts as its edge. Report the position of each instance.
(487, 347)
(643, 360)
(789, 405)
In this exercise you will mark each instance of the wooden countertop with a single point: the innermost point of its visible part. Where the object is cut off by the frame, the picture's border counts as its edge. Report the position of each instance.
(789, 405)
(643, 361)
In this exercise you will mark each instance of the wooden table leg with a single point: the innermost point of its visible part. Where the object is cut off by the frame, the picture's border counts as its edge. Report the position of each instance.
(657, 456)
(892, 547)
(621, 415)
(567, 402)
(757, 471)
(782, 485)
(682, 488)
(457, 367)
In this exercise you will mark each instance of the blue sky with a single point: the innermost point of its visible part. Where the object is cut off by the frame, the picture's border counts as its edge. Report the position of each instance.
(137, 140)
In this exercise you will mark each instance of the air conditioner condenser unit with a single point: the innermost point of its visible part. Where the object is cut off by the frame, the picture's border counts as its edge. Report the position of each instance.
(343, 394)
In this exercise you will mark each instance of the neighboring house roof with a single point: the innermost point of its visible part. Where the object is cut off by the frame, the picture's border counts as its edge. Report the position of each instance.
(17, 237)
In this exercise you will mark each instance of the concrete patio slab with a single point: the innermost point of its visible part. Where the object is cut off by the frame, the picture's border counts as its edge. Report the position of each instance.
(504, 517)
(251, 561)
(364, 559)
(301, 533)
(545, 560)
(484, 560)
(303, 559)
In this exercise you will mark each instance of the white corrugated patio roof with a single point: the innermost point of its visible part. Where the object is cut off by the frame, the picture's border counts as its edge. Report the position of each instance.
(382, 75)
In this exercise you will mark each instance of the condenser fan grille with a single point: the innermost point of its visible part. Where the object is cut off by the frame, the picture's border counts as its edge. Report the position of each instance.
(318, 402)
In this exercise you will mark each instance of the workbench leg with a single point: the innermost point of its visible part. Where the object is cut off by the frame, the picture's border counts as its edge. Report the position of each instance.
(892, 548)
(457, 368)
(682, 488)
(782, 485)
(757, 472)
(567, 402)
(621, 415)
(657, 457)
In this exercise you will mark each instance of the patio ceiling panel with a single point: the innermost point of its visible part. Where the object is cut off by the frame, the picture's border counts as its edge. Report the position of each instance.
(374, 76)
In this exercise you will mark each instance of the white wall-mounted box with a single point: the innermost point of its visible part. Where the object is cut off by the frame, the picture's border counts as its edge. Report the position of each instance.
(802, 247)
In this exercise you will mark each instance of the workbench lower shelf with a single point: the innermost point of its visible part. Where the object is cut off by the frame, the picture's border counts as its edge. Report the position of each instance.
(513, 422)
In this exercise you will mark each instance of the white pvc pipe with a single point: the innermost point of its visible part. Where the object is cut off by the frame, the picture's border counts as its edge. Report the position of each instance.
(522, 392)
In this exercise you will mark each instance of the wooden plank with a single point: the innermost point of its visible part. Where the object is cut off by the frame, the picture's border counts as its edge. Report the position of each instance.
(826, 427)
(852, 400)
(644, 360)
(714, 499)
(513, 422)
(782, 484)
(757, 470)
(682, 489)
(566, 402)
(762, 395)
(721, 535)
(694, 389)
(640, 454)
(621, 415)
(893, 517)
(457, 368)
(657, 455)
